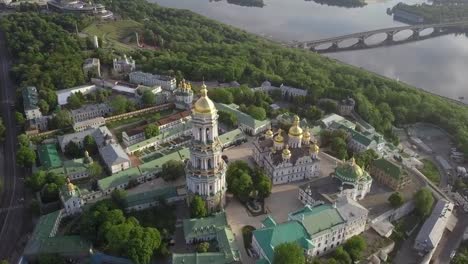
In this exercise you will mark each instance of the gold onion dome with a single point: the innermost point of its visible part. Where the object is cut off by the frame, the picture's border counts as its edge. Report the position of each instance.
(70, 186)
(204, 105)
(269, 133)
(356, 168)
(314, 148)
(286, 152)
(295, 130)
(306, 133)
(279, 138)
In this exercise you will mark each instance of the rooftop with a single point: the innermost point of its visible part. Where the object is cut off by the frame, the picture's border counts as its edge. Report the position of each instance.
(388, 167)
(156, 165)
(231, 136)
(119, 178)
(165, 134)
(150, 196)
(30, 98)
(74, 166)
(197, 227)
(113, 154)
(317, 219)
(241, 116)
(48, 156)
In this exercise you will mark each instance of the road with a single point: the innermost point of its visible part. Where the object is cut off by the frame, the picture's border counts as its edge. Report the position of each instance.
(13, 216)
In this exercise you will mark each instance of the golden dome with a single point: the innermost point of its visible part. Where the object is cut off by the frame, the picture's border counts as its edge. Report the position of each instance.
(306, 133)
(358, 171)
(314, 148)
(269, 133)
(204, 105)
(279, 138)
(295, 130)
(286, 152)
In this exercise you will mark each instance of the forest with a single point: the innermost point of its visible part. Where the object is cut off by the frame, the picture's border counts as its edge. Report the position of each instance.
(436, 13)
(200, 48)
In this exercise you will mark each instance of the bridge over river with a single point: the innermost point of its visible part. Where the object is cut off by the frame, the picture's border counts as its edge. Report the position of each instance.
(333, 43)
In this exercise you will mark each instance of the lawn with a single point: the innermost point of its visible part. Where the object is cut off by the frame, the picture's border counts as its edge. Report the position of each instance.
(431, 171)
(116, 34)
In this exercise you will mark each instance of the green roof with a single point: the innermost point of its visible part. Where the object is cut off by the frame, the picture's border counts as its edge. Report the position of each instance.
(156, 165)
(119, 178)
(388, 167)
(242, 117)
(231, 136)
(150, 196)
(317, 219)
(42, 241)
(199, 258)
(74, 166)
(269, 222)
(270, 237)
(350, 172)
(196, 227)
(227, 244)
(159, 137)
(48, 156)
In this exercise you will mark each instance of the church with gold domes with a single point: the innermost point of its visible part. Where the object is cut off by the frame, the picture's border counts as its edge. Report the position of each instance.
(206, 170)
(287, 157)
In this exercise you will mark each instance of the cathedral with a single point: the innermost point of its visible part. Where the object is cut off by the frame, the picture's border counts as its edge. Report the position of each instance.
(206, 170)
(287, 157)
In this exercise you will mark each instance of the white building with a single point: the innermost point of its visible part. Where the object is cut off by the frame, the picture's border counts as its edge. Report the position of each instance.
(30, 100)
(90, 123)
(124, 65)
(346, 106)
(62, 95)
(71, 198)
(286, 91)
(206, 170)
(287, 158)
(318, 230)
(90, 111)
(148, 79)
(355, 181)
(92, 68)
(114, 157)
(433, 228)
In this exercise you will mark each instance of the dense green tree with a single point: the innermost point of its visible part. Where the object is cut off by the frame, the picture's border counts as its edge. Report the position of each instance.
(235, 169)
(263, 185)
(221, 96)
(23, 140)
(242, 186)
(198, 207)
(89, 144)
(364, 158)
(72, 150)
(227, 118)
(203, 247)
(462, 256)
(62, 119)
(151, 130)
(25, 156)
(256, 112)
(172, 170)
(342, 256)
(328, 106)
(396, 199)
(289, 253)
(120, 104)
(36, 181)
(423, 201)
(355, 246)
(95, 170)
(75, 100)
(339, 148)
(313, 113)
(19, 117)
(148, 98)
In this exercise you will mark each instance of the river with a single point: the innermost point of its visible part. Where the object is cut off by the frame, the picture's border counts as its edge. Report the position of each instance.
(438, 65)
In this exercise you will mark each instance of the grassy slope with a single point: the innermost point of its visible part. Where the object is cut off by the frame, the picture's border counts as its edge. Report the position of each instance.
(114, 33)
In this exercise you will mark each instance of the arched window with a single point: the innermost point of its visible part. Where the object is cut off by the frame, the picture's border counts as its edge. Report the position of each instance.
(207, 133)
(200, 134)
(209, 164)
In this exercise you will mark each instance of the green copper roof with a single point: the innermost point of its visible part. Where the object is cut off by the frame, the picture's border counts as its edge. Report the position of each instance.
(388, 167)
(48, 156)
(350, 172)
(269, 222)
(317, 219)
(196, 227)
(199, 258)
(227, 244)
(156, 165)
(75, 166)
(231, 136)
(150, 196)
(159, 137)
(242, 117)
(270, 237)
(119, 178)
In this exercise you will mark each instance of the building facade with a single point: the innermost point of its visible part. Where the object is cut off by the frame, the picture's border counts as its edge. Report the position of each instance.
(346, 106)
(71, 198)
(30, 100)
(124, 65)
(184, 96)
(206, 170)
(148, 79)
(287, 158)
(90, 111)
(318, 230)
(389, 174)
(90, 123)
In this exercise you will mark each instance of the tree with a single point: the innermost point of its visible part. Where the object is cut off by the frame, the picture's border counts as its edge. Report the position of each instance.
(25, 157)
(328, 106)
(4, 261)
(119, 104)
(355, 246)
(256, 112)
(203, 247)
(234, 170)
(289, 253)
(227, 118)
(44, 106)
(364, 158)
(341, 256)
(73, 150)
(74, 101)
(95, 170)
(313, 113)
(89, 144)
(148, 98)
(20, 120)
(62, 119)
(423, 202)
(198, 207)
(50, 192)
(221, 96)
(51, 259)
(339, 147)
(36, 181)
(242, 186)
(263, 186)
(119, 198)
(151, 130)
(172, 170)
(396, 199)
(23, 140)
